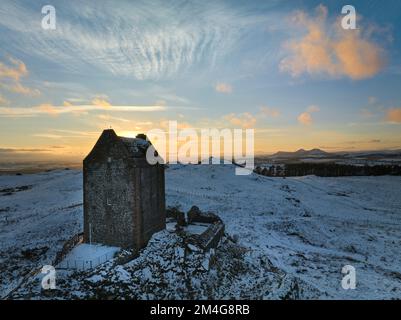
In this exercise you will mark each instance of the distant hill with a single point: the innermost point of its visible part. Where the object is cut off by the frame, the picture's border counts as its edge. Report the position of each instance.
(301, 153)
(376, 153)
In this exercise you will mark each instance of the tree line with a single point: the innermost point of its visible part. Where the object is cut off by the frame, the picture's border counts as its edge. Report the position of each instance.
(327, 170)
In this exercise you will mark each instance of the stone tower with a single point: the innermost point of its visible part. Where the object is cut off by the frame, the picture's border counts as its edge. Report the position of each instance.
(124, 196)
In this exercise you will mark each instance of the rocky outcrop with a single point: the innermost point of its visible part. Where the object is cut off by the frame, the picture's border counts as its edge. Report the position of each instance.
(196, 215)
(210, 238)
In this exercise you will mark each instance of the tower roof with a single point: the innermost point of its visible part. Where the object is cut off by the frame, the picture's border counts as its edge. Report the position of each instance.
(136, 146)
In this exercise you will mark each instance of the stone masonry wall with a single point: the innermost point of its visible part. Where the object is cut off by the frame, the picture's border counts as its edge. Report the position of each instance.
(124, 197)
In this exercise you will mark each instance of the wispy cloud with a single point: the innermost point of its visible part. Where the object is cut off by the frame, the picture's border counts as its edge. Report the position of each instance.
(16, 71)
(101, 103)
(313, 108)
(372, 100)
(244, 120)
(107, 117)
(49, 109)
(394, 115)
(62, 134)
(358, 142)
(328, 49)
(21, 89)
(305, 118)
(269, 112)
(3, 100)
(11, 75)
(147, 40)
(22, 150)
(223, 87)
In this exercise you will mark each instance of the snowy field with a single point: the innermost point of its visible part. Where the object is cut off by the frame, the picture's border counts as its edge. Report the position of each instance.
(85, 256)
(294, 236)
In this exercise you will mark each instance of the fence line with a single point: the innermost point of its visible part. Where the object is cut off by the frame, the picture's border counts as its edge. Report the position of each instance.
(87, 264)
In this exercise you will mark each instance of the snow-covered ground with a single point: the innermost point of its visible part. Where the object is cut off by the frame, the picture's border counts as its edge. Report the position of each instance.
(294, 237)
(86, 256)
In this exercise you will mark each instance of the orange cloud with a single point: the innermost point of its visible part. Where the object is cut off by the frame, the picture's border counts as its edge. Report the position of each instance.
(305, 119)
(394, 115)
(10, 77)
(180, 125)
(19, 88)
(313, 108)
(269, 112)
(244, 120)
(223, 88)
(335, 52)
(358, 58)
(49, 109)
(3, 100)
(101, 103)
(19, 70)
(52, 110)
(107, 117)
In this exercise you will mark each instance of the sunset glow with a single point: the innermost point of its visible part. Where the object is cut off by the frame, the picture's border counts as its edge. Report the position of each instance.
(290, 72)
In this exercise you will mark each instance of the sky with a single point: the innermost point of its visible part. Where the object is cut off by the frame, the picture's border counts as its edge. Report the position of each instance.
(286, 69)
